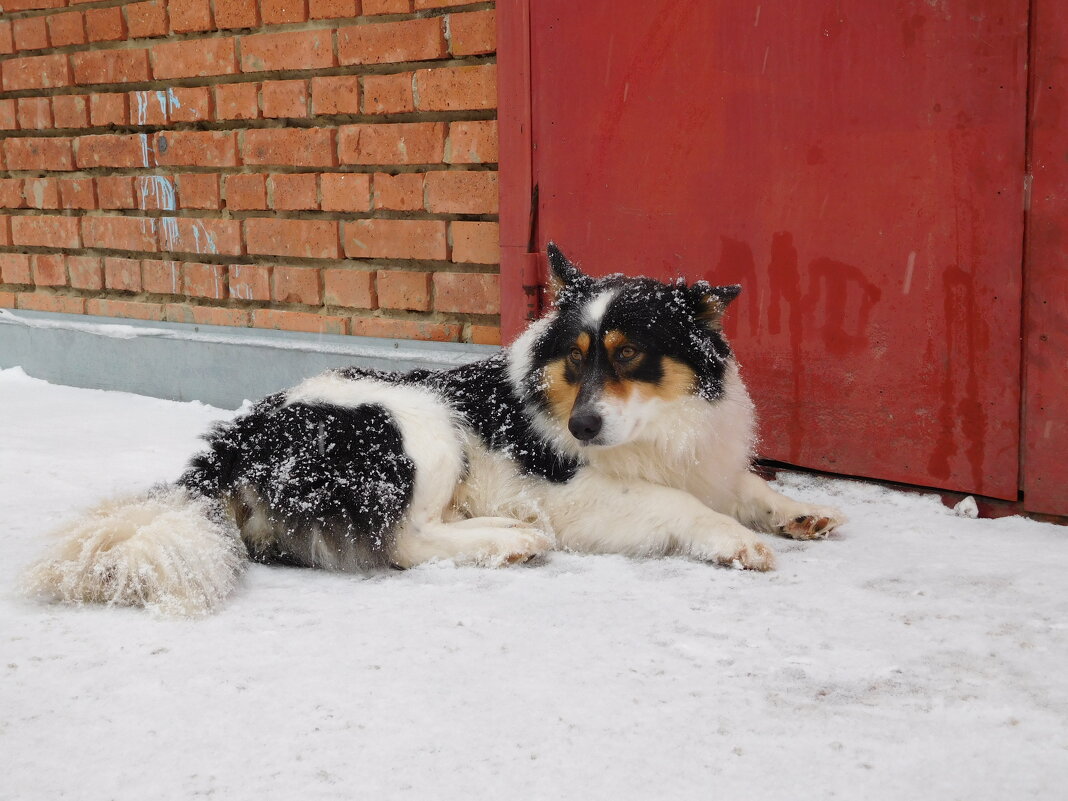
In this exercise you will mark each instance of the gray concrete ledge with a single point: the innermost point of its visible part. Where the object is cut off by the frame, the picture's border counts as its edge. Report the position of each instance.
(214, 364)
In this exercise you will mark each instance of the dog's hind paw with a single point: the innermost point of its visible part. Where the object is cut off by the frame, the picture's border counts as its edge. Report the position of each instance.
(816, 523)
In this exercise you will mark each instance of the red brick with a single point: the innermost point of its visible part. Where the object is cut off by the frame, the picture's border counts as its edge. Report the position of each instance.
(35, 113)
(392, 42)
(371, 7)
(70, 111)
(196, 148)
(198, 191)
(124, 308)
(466, 192)
(297, 285)
(399, 289)
(30, 33)
(335, 95)
(236, 14)
(470, 293)
(345, 191)
(48, 302)
(5, 229)
(204, 280)
(26, 5)
(297, 192)
(114, 150)
(246, 192)
(475, 242)
(15, 269)
(455, 88)
(46, 231)
(388, 94)
(147, 19)
(7, 40)
(86, 272)
(473, 33)
(123, 275)
(472, 142)
(42, 193)
(295, 147)
(36, 72)
(189, 15)
(299, 321)
(387, 328)
(189, 104)
(314, 239)
(108, 109)
(395, 239)
(161, 277)
(280, 12)
(237, 101)
(354, 289)
(120, 233)
(194, 58)
(148, 107)
(66, 29)
(109, 66)
(424, 4)
(285, 99)
(332, 9)
(401, 192)
(484, 335)
(154, 192)
(250, 282)
(192, 235)
(7, 300)
(11, 196)
(303, 50)
(394, 143)
(115, 192)
(49, 269)
(105, 24)
(8, 116)
(77, 193)
(207, 315)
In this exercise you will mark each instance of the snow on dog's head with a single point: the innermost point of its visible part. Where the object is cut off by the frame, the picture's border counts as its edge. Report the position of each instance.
(614, 352)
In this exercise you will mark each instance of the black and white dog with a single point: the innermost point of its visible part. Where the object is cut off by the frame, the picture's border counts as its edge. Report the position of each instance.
(618, 423)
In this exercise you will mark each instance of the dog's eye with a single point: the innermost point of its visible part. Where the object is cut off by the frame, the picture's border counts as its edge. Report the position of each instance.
(575, 355)
(626, 353)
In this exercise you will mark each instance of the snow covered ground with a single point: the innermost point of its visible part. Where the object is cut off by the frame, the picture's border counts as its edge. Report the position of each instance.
(917, 655)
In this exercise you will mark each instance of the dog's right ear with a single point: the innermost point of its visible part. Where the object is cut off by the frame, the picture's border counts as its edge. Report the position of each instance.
(562, 273)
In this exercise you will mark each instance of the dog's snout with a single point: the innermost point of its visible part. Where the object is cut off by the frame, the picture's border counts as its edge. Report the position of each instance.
(585, 425)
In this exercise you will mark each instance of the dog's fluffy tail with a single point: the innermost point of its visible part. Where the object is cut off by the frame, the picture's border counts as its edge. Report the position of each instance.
(169, 550)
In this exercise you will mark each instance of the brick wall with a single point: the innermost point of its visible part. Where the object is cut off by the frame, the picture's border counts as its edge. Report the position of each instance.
(312, 165)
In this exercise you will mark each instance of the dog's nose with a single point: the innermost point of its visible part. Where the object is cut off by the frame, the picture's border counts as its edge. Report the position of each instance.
(585, 425)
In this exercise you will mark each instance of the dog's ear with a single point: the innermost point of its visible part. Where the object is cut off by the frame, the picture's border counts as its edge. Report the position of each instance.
(562, 273)
(710, 302)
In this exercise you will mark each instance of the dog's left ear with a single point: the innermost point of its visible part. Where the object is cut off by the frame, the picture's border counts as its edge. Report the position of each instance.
(710, 302)
(562, 273)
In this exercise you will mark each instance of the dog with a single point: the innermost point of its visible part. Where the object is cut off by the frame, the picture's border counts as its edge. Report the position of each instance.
(617, 423)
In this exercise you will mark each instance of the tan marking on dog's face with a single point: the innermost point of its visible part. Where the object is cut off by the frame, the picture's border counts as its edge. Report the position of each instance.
(678, 381)
(560, 392)
(582, 342)
(614, 339)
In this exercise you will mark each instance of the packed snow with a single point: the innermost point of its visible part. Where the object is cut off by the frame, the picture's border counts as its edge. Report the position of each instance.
(917, 654)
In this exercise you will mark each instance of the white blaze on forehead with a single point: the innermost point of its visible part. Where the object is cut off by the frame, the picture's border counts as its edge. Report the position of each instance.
(596, 308)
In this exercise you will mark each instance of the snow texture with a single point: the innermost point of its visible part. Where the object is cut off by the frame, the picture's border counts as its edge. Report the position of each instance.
(917, 654)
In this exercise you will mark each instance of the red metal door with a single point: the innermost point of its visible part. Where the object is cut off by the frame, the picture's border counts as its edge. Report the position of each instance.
(856, 166)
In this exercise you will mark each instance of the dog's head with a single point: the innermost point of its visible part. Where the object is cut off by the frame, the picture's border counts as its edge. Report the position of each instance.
(614, 352)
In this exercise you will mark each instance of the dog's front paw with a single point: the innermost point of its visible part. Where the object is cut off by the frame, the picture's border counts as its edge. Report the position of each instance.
(812, 523)
(753, 555)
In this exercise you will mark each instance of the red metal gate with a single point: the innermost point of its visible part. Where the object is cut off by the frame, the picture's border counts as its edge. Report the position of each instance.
(859, 168)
